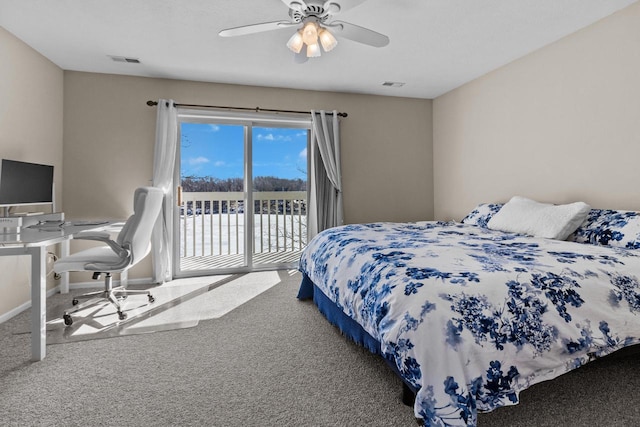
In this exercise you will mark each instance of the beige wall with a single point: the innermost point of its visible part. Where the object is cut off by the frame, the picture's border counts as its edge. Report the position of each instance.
(109, 137)
(559, 125)
(31, 101)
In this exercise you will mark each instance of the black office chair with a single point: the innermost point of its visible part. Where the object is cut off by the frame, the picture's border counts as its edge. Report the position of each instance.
(132, 245)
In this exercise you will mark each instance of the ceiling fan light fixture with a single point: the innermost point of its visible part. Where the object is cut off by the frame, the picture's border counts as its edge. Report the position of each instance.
(327, 40)
(313, 50)
(295, 43)
(315, 28)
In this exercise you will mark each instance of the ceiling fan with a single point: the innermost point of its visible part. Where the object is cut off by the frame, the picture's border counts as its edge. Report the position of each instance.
(316, 27)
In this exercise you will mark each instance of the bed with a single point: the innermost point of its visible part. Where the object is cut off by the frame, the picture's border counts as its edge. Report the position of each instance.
(469, 316)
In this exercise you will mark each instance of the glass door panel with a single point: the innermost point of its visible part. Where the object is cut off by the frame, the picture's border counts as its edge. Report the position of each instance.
(279, 170)
(212, 175)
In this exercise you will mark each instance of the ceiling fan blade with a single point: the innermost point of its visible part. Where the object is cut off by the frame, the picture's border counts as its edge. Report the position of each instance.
(335, 6)
(297, 5)
(359, 34)
(256, 28)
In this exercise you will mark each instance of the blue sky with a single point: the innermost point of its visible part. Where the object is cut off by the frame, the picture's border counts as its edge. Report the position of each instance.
(218, 151)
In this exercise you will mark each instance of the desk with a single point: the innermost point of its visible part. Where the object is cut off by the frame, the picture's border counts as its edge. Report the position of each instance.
(33, 242)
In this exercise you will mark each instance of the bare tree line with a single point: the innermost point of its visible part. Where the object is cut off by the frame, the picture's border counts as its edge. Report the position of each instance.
(260, 183)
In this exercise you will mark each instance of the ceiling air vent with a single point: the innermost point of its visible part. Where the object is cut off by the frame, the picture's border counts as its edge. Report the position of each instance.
(124, 59)
(393, 84)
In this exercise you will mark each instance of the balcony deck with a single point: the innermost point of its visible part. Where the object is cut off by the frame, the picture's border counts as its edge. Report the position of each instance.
(218, 262)
(212, 231)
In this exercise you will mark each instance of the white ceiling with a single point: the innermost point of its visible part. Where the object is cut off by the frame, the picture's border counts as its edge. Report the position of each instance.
(436, 45)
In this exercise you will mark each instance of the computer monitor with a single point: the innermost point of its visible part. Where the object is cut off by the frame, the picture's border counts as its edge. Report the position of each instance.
(23, 183)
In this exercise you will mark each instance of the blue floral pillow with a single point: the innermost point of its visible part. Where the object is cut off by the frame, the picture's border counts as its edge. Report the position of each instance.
(481, 215)
(609, 228)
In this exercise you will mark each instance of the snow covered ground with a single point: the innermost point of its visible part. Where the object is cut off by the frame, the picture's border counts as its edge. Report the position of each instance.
(223, 234)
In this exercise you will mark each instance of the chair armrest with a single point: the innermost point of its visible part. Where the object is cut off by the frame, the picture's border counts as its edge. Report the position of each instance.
(104, 237)
(92, 235)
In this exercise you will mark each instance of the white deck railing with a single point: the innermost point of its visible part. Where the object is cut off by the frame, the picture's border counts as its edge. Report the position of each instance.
(212, 223)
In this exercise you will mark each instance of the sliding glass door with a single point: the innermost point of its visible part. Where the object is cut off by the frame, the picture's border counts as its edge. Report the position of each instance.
(242, 196)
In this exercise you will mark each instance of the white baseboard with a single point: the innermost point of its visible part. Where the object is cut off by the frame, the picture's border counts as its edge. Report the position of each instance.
(27, 305)
(80, 285)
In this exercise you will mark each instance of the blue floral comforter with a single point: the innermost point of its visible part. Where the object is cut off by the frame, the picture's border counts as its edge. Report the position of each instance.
(472, 316)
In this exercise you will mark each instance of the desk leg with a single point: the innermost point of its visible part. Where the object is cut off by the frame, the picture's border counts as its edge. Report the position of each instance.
(38, 302)
(64, 277)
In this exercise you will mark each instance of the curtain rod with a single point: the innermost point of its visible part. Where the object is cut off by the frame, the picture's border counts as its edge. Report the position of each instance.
(257, 109)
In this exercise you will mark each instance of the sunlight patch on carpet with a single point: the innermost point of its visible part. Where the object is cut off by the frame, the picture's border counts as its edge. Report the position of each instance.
(181, 303)
(219, 300)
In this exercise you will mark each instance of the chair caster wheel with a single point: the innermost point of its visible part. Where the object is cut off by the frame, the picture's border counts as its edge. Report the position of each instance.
(151, 298)
(74, 301)
(67, 319)
(122, 315)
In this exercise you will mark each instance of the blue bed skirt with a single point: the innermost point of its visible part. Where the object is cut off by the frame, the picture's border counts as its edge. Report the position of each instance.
(349, 327)
(336, 317)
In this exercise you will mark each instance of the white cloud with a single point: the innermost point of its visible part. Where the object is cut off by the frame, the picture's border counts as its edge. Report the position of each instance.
(268, 136)
(303, 154)
(219, 163)
(214, 128)
(194, 161)
(272, 137)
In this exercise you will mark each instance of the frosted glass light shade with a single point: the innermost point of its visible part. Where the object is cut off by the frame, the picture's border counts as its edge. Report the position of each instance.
(327, 40)
(310, 33)
(313, 50)
(295, 43)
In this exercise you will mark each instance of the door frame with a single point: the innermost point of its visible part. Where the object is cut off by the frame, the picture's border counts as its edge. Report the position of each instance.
(248, 121)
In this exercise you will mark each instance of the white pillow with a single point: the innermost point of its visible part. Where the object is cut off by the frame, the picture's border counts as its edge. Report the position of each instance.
(525, 216)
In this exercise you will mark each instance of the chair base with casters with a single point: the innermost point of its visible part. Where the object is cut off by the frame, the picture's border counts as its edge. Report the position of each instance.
(115, 296)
